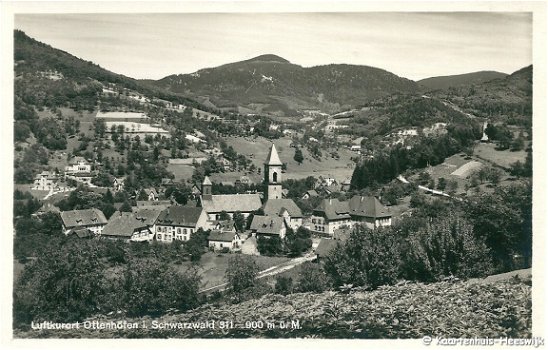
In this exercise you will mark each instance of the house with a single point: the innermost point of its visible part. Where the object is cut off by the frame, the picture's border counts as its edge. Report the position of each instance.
(286, 209)
(45, 181)
(152, 194)
(80, 233)
(310, 194)
(127, 227)
(268, 226)
(78, 165)
(219, 240)
(148, 215)
(92, 219)
(285, 192)
(223, 225)
(330, 215)
(179, 223)
(195, 190)
(47, 208)
(356, 148)
(346, 184)
(84, 178)
(153, 204)
(118, 184)
(214, 205)
(369, 211)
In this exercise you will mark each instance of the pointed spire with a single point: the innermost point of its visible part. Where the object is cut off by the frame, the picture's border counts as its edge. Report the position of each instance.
(273, 158)
(207, 181)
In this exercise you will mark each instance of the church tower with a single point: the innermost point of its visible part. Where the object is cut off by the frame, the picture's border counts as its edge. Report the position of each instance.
(273, 175)
(206, 189)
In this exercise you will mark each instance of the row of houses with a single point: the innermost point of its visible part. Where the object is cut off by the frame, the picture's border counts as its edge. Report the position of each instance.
(168, 223)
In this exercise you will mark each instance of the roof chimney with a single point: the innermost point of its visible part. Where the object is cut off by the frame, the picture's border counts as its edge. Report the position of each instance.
(329, 201)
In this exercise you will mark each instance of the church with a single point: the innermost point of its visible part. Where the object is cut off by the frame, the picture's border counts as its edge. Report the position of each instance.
(273, 204)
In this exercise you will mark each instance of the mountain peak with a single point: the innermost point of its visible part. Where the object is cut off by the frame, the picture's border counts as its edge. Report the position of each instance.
(268, 58)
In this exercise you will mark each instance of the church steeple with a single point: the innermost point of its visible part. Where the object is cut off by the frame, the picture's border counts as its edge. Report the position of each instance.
(206, 188)
(273, 174)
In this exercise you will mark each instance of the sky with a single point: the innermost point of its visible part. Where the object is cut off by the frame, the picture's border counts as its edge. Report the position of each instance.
(411, 45)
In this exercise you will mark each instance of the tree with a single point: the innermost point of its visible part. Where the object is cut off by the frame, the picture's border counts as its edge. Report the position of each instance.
(224, 216)
(298, 157)
(284, 285)
(126, 207)
(241, 273)
(239, 221)
(269, 245)
(442, 183)
(312, 278)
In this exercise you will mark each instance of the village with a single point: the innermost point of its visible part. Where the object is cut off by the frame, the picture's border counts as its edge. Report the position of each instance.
(266, 214)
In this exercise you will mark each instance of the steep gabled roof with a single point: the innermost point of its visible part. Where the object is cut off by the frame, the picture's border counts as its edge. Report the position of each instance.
(207, 181)
(333, 209)
(123, 224)
(368, 207)
(148, 216)
(274, 207)
(180, 216)
(221, 236)
(231, 203)
(85, 217)
(273, 158)
(267, 224)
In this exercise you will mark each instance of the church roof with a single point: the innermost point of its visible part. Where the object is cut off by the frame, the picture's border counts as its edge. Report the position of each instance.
(231, 203)
(273, 158)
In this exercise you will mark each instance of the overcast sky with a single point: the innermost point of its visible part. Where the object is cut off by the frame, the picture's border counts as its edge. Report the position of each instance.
(411, 45)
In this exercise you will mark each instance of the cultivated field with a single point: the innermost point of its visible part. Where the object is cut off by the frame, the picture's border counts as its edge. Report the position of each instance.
(504, 158)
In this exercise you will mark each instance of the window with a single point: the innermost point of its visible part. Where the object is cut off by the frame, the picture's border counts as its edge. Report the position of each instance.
(275, 177)
(179, 230)
(184, 231)
(159, 236)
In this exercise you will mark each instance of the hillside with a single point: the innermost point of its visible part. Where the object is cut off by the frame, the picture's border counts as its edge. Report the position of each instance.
(445, 82)
(271, 84)
(407, 310)
(510, 97)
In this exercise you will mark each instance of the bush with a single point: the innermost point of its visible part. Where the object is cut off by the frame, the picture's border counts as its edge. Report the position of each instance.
(284, 285)
(312, 278)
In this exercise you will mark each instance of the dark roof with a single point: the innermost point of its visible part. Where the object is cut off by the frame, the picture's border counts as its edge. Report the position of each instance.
(180, 216)
(274, 207)
(312, 193)
(232, 203)
(368, 207)
(85, 217)
(147, 215)
(325, 246)
(221, 236)
(267, 224)
(224, 225)
(123, 224)
(333, 209)
(81, 233)
(75, 160)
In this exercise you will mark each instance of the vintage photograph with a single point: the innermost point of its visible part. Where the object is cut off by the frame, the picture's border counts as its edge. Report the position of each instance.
(327, 175)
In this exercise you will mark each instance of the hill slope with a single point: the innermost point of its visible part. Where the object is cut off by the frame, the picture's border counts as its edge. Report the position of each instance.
(445, 82)
(271, 84)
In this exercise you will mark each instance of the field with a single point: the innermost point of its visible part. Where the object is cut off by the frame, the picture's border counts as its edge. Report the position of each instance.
(504, 158)
(257, 149)
(182, 172)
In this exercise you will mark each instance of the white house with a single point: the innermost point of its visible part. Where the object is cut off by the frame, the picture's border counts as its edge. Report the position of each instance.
(78, 165)
(45, 181)
(92, 219)
(369, 211)
(179, 223)
(330, 215)
(218, 240)
(268, 226)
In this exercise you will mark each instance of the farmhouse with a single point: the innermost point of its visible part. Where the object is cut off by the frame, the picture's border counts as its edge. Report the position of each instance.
(214, 205)
(92, 219)
(178, 223)
(310, 194)
(127, 227)
(148, 215)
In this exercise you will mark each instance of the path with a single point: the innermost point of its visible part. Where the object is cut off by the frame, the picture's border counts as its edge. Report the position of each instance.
(271, 271)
